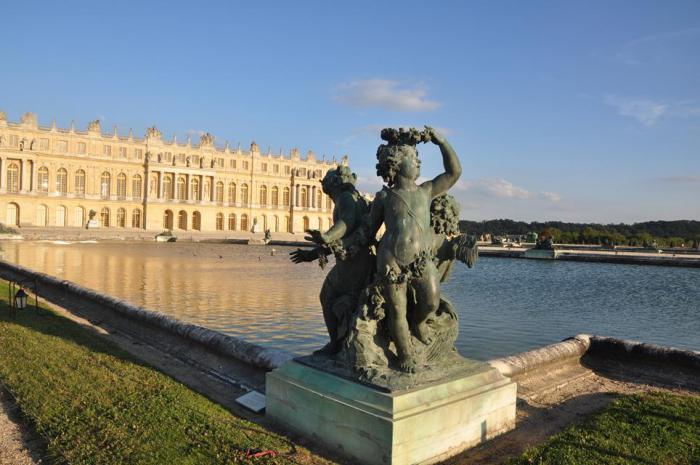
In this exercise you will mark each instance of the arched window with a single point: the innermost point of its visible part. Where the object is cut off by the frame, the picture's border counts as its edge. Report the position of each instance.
(306, 223)
(244, 222)
(60, 215)
(105, 181)
(231, 221)
(182, 219)
(43, 179)
(276, 221)
(220, 192)
(194, 184)
(79, 217)
(153, 186)
(287, 224)
(196, 221)
(319, 195)
(231, 193)
(274, 196)
(12, 217)
(264, 222)
(219, 221)
(136, 186)
(121, 215)
(121, 188)
(285, 197)
(181, 189)
(136, 218)
(168, 219)
(263, 195)
(104, 217)
(42, 215)
(13, 177)
(168, 187)
(304, 200)
(244, 195)
(62, 181)
(206, 192)
(320, 224)
(79, 183)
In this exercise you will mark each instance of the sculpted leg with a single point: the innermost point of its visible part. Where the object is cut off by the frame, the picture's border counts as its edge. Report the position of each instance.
(328, 296)
(396, 300)
(428, 296)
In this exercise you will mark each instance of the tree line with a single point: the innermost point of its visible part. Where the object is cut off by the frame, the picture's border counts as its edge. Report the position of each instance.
(662, 233)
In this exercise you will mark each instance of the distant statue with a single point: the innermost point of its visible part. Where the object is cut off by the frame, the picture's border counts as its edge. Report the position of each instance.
(187, 161)
(22, 144)
(153, 133)
(94, 126)
(206, 139)
(544, 242)
(32, 145)
(268, 236)
(347, 240)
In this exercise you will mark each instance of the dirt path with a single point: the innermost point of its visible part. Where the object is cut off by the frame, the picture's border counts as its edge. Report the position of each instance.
(19, 445)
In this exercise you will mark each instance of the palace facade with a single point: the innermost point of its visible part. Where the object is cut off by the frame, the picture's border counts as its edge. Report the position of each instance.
(66, 177)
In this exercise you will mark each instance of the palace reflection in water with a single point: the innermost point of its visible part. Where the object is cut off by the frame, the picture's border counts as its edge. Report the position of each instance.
(238, 290)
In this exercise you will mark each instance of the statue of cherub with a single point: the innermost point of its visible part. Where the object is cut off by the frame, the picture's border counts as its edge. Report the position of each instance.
(405, 253)
(347, 240)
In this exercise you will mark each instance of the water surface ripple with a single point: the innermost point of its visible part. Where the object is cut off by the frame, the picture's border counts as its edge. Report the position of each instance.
(505, 306)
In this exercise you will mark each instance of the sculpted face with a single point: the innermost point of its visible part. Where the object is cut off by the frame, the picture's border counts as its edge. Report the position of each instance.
(410, 164)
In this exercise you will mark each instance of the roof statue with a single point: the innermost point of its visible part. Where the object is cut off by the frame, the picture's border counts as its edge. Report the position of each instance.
(254, 147)
(206, 140)
(153, 133)
(29, 119)
(94, 126)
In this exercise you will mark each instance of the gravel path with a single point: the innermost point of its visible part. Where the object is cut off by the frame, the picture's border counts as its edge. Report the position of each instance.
(19, 445)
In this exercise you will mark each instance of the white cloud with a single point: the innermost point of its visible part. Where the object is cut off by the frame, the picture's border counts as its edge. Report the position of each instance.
(387, 94)
(657, 47)
(647, 112)
(551, 196)
(495, 187)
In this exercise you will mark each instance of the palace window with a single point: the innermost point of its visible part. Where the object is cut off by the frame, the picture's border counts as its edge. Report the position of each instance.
(244, 222)
(275, 169)
(244, 195)
(276, 221)
(206, 192)
(194, 159)
(104, 217)
(287, 169)
(220, 192)
(43, 179)
(245, 165)
(136, 186)
(121, 185)
(107, 150)
(42, 215)
(168, 156)
(136, 218)
(319, 196)
(263, 167)
(306, 223)
(195, 190)
(13, 177)
(79, 183)
(121, 218)
(105, 181)
(138, 154)
(231, 221)
(231, 193)
(81, 147)
(220, 162)
(219, 221)
(181, 189)
(79, 214)
(122, 152)
(181, 158)
(14, 140)
(285, 197)
(182, 220)
(62, 146)
(43, 144)
(232, 164)
(62, 181)
(168, 219)
(167, 187)
(263, 195)
(196, 221)
(287, 224)
(275, 196)
(304, 200)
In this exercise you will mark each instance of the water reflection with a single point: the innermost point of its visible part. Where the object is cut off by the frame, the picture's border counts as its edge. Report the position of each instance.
(505, 306)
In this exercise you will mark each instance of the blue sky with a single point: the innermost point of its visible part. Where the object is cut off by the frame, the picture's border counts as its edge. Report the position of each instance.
(576, 112)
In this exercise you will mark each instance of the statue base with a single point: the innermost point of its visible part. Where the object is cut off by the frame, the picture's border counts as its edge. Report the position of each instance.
(420, 425)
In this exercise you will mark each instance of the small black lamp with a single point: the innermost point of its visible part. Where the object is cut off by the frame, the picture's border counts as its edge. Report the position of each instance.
(21, 299)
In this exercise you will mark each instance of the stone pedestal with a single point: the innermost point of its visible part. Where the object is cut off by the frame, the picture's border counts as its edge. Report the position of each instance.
(421, 425)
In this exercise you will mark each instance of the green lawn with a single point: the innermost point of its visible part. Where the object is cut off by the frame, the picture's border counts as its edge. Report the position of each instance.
(656, 428)
(94, 404)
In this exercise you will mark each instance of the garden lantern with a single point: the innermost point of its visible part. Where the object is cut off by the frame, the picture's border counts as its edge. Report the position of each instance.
(21, 299)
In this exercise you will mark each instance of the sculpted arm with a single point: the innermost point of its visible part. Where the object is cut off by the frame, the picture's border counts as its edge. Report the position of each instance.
(344, 220)
(453, 169)
(376, 214)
